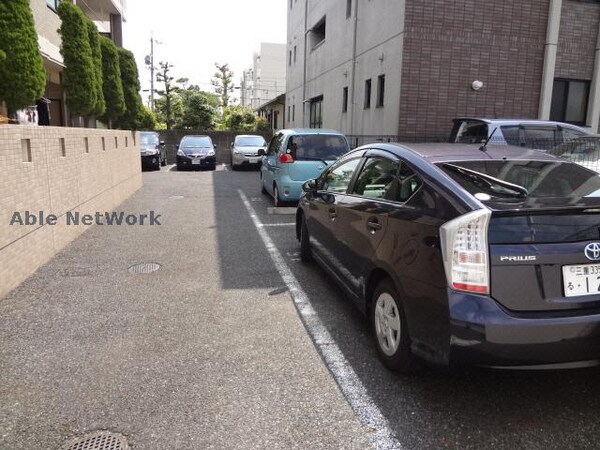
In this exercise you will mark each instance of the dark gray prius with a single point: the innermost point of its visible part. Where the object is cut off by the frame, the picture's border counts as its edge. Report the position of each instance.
(459, 255)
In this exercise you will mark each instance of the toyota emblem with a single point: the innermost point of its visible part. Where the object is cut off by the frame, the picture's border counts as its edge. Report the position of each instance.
(592, 251)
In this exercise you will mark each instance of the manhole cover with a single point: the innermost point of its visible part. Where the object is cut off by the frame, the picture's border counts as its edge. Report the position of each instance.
(144, 268)
(99, 440)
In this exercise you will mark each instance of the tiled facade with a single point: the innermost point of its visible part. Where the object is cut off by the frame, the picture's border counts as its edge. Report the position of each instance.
(430, 53)
(82, 180)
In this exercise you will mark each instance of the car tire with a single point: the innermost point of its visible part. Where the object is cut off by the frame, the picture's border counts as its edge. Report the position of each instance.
(262, 185)
(179, 167)
(305, 251)
(390, 329)
(213, 167)
(276, 201)
(234, 167)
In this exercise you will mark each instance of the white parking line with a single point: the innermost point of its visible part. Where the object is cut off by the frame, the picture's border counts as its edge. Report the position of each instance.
(352, 388)
(290, 224)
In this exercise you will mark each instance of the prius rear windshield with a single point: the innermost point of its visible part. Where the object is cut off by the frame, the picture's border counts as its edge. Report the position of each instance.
(531, 179)
(317, 147)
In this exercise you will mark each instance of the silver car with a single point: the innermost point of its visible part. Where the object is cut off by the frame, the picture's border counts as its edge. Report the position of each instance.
(244, 150)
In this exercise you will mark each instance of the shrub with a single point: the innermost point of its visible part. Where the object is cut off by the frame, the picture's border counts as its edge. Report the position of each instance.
(112, 86)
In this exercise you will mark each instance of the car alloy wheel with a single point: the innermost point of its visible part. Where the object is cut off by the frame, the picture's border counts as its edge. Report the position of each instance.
(390, 329)
(305, 251)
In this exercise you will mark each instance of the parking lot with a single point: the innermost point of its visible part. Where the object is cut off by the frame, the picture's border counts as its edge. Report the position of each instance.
(235, 343)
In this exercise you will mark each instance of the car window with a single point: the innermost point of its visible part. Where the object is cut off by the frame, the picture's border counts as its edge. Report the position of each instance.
(317, 147)
(378, 178)
(539, 137)
(338, 177)
(408, 183)
(250, 141)
(196, 141)
(569, 133)
(472, 132)
(510, 133)
(274, 145)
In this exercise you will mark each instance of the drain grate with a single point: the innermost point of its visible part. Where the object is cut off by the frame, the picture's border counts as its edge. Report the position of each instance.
(144, 268)
(99, 440)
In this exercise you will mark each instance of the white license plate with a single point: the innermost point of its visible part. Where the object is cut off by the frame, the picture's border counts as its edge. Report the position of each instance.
(581, 279)
(195, 161)
(253, 160)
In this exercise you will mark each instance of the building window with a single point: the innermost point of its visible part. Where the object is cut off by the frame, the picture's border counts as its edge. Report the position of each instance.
(275, 120)
(345, 100)
(316, 114)
(380, 90)
(293, 112)
(348, 8)
(291, 4)
(368, 93)
(317, 33)
(52, 4)
(289, 113)
(294, 54)
(290, 58)
(570, 101)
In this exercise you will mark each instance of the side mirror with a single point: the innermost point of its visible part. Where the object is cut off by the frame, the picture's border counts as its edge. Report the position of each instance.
(261, 152)
(232, 145)
(161, 142)
(309, 185)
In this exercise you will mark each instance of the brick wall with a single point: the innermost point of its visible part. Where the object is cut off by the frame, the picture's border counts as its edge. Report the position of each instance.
(59, 178)
(577, 39)
(448, 45)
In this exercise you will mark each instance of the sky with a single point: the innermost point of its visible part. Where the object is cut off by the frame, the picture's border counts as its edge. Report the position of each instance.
(195, 34)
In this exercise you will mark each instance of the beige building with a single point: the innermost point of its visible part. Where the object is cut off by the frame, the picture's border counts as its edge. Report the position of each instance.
(266, 79)
(108, 15)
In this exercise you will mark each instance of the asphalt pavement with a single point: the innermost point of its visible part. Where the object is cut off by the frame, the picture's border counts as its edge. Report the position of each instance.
(213, 350)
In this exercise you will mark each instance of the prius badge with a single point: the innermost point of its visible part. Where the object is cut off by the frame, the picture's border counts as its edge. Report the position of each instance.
(592, 251)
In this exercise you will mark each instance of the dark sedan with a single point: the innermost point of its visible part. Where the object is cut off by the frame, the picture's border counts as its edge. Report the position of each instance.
(462, 256)
(152, 150)
(196, 152)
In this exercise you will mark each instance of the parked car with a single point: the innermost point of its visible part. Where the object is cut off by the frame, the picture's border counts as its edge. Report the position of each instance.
(152, 150)
(294, 156)
(584, 151)
(244, 150)
(195, 151)
(460, 256)
(538, 134)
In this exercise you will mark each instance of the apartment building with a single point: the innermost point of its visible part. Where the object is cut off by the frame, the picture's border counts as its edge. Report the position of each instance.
(266, 79)
(108, 15)
(403, 69)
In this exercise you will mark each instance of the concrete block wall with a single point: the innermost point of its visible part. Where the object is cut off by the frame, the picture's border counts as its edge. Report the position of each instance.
(65, 169)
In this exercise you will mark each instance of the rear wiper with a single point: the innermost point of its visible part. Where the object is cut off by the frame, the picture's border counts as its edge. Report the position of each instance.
(489, 181)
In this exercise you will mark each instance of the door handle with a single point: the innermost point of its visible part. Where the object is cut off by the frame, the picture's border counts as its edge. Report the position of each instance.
(373, 224)
(332, 213)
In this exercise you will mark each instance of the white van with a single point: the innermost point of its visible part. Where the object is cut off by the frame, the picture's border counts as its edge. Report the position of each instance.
(536, 134)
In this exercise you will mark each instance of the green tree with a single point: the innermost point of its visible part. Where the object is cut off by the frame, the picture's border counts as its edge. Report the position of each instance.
(22, 76)
(131, 90)
(79, 76)
(147, 120)
(94, 38)
(175, 107)
(112, 86)
(223, 83)
(239, 118)
(199, 109)
(170, 89)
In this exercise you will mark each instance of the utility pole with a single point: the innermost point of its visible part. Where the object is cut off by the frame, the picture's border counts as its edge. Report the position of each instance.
(150, 63)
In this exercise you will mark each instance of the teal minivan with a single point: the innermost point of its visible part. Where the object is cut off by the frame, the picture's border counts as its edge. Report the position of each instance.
(296, 155)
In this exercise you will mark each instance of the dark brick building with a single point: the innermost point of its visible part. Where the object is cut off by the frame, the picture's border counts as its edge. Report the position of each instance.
(406, 68)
